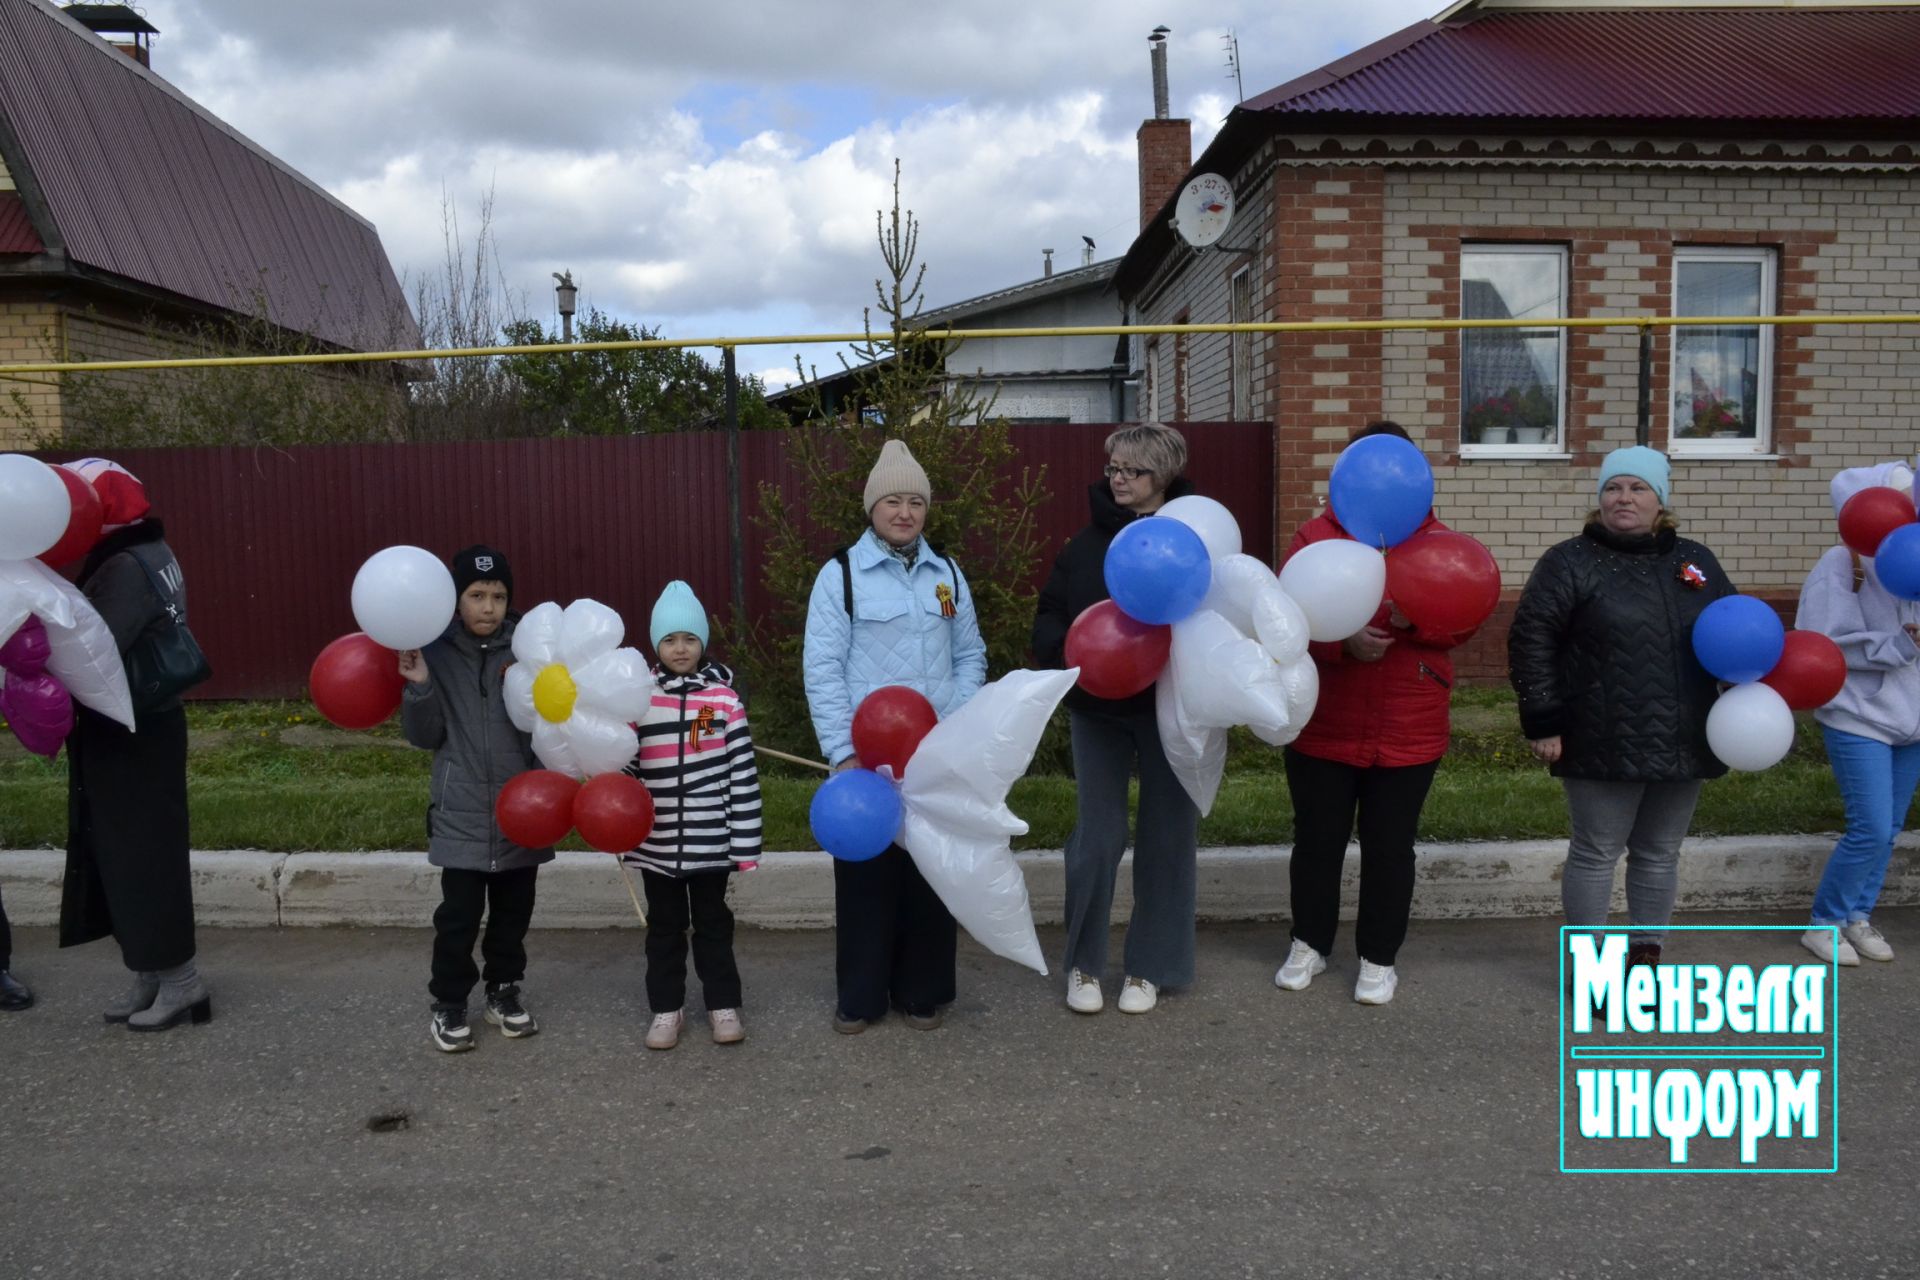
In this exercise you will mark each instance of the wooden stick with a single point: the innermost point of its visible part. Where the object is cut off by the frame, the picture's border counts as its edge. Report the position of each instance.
(781, 755)
(628, 877)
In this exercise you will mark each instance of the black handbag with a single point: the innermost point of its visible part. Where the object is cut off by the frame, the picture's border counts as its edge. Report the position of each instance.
(166, 660)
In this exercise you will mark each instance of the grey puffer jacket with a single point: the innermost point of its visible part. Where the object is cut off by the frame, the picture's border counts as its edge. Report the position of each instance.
(461, 716)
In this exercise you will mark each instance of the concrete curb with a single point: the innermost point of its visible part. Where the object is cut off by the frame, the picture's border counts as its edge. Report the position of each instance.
(251, 889)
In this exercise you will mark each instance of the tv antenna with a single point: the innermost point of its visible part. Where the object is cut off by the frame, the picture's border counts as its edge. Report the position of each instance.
(1232, 43)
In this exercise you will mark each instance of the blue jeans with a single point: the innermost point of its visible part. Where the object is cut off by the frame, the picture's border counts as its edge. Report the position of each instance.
(1876, 783)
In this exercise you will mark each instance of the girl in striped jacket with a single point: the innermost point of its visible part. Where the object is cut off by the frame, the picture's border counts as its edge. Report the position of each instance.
(696, 759)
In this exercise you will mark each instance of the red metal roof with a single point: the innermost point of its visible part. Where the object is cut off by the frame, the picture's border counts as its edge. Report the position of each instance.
(16, 229)
(141, 183)
(1670, 65)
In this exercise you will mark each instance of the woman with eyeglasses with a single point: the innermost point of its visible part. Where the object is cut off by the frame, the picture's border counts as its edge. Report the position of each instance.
(1111, 736)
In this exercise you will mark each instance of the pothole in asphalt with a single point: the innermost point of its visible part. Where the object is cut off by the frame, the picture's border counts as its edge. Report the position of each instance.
(393, 1121)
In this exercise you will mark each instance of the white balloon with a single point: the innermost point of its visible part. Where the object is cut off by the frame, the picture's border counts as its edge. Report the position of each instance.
(1212, 521)
(536, 641)
(1224, 677)
(1280, 625)
(1238, 581)
(1338, 585)
(1301, 681)
(956, 823)
(403, 597)
(1750, 728)
(34, 507)
(1197, 755)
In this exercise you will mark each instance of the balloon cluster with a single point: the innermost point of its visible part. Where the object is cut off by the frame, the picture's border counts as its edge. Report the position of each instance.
(613, 812)
(403, 598)
(1773, 673)
(939, 788)
(55, 649)
(576, 689)
(856, 813)
(1879, 522)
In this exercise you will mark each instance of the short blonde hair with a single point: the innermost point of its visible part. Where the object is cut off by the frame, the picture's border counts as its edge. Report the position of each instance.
(1153, 446)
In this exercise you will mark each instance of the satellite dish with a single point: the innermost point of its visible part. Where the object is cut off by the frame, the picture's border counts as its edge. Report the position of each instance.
(1204, 210)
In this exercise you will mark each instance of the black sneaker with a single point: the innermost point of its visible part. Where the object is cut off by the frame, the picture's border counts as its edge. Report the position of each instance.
(14, 995)
(450, 1031)
(504, 1012)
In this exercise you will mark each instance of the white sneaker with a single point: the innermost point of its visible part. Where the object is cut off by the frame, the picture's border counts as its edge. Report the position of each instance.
(1083, 993)
(665, 1031)
(1820, 942)
(1303, 964)
(1867, 941)
(1137, 995)
(1377, 983)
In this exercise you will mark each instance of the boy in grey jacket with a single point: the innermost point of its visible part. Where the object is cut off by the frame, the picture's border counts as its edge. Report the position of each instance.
(454, 708)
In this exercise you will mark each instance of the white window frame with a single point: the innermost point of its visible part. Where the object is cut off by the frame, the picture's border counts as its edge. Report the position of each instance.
(1761, 445)
(1556, 447)
(1240, 345)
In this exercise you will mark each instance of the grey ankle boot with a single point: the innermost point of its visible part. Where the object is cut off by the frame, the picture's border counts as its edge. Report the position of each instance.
(182, 995)
(140, 997)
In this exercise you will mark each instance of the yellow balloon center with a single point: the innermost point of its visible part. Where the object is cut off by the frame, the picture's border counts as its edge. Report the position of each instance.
(554, 694)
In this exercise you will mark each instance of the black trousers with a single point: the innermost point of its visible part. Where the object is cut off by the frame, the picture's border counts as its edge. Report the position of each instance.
(6, 939)
(1326, 796)
(894, 940)
(675, 904)
(506, 899)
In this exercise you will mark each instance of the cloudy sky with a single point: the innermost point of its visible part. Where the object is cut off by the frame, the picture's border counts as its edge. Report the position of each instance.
(714, 168)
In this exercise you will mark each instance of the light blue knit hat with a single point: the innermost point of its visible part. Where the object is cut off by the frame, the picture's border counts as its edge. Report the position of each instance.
(678, 609)
(1640, 462)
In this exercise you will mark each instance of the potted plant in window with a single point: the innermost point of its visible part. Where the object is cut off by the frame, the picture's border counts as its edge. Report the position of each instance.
(1712, 414)
(1492, 420)
(1537, 414)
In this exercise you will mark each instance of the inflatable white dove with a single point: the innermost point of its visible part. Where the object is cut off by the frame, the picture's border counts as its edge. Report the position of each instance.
(955, 821)
(1239, 659)
(83, 655)
(576, 690)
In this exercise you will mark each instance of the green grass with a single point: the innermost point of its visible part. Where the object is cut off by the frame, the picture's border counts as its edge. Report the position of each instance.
(269, 775)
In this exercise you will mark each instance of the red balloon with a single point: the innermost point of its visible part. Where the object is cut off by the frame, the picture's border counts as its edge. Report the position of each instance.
(535, 809)
(83, 526)
(613, 812)
(889, 725)
(356, 682)
(1810, 671)
(1118, 655)
(1871, 514)
(1443, 581)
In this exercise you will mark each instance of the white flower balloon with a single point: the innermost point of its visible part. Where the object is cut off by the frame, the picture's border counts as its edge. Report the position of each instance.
(576, 690)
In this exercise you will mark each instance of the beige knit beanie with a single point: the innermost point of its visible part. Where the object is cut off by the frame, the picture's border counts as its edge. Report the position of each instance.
(896, 472)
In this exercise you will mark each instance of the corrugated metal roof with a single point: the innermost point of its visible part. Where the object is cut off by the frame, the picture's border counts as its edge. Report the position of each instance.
(16, 228)
(1669, 65)
(145, 184)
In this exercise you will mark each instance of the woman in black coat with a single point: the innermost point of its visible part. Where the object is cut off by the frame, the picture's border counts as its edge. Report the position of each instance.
(128, 874)
(1111, 735)
(1612, 697)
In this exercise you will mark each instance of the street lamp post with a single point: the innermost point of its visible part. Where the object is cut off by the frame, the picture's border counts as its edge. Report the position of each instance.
(564, 294)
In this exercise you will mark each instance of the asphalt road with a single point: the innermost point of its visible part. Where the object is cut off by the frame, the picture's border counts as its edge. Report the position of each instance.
(1235, 1131)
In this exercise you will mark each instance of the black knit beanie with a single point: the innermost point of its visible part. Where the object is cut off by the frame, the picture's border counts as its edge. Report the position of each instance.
(481, 564)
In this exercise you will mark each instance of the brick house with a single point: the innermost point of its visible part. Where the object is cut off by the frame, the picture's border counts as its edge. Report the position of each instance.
(128, 211)
(1556, 158)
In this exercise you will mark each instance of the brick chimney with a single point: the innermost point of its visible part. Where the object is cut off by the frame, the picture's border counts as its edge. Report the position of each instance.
(119, 25)
(1166, 145)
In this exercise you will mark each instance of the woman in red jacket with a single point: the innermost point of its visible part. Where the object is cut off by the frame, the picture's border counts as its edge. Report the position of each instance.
(1372, 746)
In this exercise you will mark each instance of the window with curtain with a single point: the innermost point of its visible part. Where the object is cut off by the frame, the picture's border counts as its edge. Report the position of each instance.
(1512, 381)
(1723, 373)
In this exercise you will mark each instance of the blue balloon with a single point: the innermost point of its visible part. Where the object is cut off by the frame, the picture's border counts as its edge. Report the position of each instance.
(1158, 570)
(1381, 490)
(1897, 562)
(855, 815)
(1739, 639)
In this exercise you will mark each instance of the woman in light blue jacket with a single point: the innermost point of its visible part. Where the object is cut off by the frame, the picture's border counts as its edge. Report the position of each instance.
(889, 610)
(1872, 729)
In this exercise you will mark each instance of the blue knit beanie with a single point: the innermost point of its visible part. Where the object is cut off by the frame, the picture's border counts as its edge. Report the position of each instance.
(1638, 461)
(678, 609)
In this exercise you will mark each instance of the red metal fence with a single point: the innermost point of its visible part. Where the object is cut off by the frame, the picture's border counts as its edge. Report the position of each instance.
(270, 538)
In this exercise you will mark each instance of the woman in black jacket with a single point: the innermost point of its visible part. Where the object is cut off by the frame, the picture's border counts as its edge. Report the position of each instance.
(1143, 473)
(1612, 697)
(128, 874)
